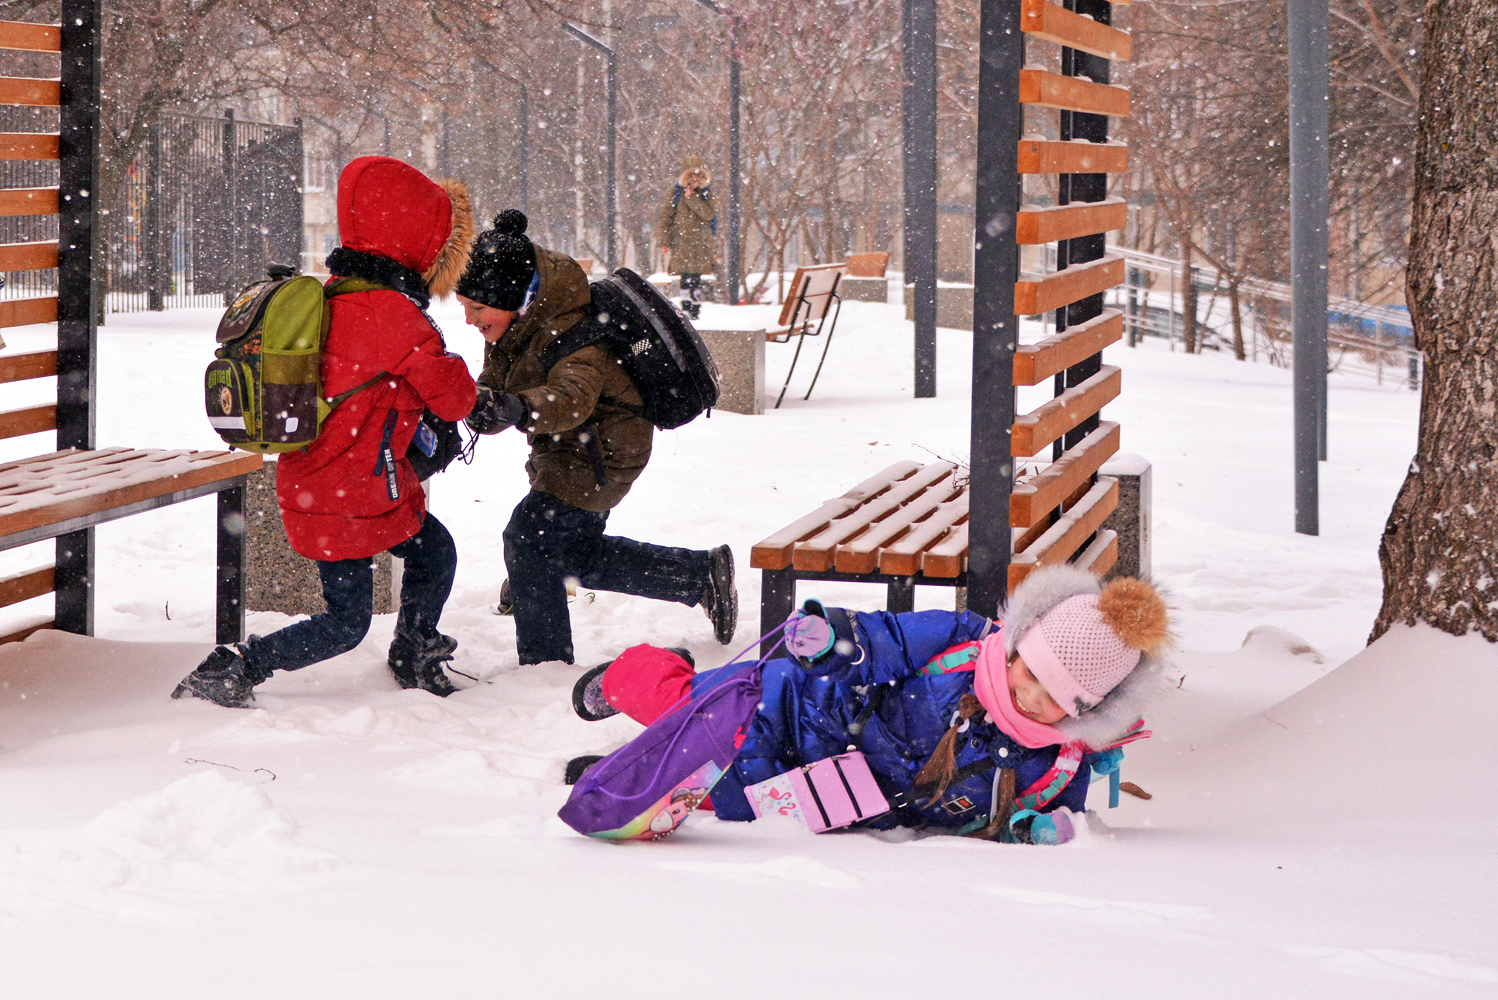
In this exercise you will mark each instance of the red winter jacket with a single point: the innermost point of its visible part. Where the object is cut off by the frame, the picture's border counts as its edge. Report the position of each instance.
(334, 497)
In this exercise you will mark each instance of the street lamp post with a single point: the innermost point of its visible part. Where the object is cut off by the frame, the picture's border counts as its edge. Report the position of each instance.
(735, 276)
(611, 258)
(1309, 73)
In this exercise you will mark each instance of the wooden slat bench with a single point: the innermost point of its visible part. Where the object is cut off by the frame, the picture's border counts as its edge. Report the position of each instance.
(907, 527)
(810, 303)
(64, 494)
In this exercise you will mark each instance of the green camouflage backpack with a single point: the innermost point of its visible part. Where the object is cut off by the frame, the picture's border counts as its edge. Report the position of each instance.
(263, 391)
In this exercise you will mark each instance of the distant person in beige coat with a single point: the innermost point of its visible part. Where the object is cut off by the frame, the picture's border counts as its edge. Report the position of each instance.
(688, 230)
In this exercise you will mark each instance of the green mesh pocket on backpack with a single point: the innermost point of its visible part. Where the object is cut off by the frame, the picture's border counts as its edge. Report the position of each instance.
(263, 391)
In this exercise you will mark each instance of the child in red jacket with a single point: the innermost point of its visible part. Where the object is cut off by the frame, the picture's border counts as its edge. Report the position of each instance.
(405, 238)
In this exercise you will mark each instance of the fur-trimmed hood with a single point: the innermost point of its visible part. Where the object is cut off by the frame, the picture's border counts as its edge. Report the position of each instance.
(391, 209)
(1127, 703)
(452, 260)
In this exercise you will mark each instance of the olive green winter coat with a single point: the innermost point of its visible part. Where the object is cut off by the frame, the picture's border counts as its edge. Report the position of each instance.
(587, 447)
(686, 224)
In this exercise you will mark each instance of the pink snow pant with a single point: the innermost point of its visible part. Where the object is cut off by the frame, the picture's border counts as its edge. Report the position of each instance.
(646, 682)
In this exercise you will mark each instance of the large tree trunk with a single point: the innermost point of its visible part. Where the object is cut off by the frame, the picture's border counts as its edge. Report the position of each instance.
(1440, 548)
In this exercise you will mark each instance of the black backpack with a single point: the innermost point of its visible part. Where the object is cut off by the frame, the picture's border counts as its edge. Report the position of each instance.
(654, 344)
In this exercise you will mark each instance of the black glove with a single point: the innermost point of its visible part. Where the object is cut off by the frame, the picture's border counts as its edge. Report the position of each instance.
(494, 411)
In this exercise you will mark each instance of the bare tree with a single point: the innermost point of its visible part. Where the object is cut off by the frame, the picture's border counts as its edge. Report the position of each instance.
(1440, 548)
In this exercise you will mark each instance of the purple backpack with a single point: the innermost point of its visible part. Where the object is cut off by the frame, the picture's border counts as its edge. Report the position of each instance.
(646, 788)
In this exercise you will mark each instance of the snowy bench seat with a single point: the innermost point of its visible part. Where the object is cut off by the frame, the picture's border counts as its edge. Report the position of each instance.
(63, 494)
(908, 527)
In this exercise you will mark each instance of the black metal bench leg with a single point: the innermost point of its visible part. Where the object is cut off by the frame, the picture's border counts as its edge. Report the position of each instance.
(73, 582)
(800, 339)
(777, 599)
(901, 597)
(231, 557)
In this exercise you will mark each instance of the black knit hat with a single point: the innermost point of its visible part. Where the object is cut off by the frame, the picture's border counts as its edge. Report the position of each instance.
(502, 264)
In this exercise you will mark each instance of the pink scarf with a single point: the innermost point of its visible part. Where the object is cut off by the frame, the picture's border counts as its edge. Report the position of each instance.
(991, 685)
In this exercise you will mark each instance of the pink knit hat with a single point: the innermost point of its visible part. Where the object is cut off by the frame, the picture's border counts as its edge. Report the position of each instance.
(1082, 648)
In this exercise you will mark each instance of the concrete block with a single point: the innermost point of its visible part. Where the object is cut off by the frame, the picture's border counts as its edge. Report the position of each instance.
(863, 289)
(740, 357)
(954, 305)
(1132, 518)
(277, 578)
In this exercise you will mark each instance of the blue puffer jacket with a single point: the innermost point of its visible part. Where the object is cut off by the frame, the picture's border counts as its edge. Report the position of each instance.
(809, 715)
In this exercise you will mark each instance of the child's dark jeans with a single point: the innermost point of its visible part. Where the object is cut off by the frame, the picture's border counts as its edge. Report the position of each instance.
(548, 541)
(431, 559)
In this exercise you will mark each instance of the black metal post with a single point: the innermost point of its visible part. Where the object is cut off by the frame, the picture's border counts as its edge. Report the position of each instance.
(1085, 188)
(299, 159)
(611, 253)
(231, 209)
(229, 623)
(734, 280)
(920, 185)
(525, 151)
(777, 599)
(153, 243)
(612, 185)
(1001, 55)
(77, 292)
(1309, 74)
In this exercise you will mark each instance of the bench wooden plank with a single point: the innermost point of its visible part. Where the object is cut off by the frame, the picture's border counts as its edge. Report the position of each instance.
(818, 551)
(1070, 93)
(24, 36)
(28, 201)
(1034, 363)
(1047, 422)
(948, 557)
(1038, 225)
(28, 420)
(1101, 555)
(27, 92)
(1063, 27)
(30, 146)
(867, 265)
(1037, 496)
(27, 365)
(1065, 537)
(25, 312)
(25, 585)
(775, 552)
(1078, 156)
(1034, 295)
(28, 256)
(64, 486)
(865, 553)
(23, 633)
(906, 557)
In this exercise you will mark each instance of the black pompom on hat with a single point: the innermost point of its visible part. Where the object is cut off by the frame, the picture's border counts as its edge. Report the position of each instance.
(502, 264)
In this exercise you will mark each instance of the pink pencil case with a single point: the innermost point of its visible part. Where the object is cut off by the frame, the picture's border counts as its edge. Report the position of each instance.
(826, 794)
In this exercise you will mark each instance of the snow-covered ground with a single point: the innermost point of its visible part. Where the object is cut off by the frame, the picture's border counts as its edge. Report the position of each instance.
(1314, 830)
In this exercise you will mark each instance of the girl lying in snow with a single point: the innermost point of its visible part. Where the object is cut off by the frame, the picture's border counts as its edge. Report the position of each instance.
(952, 712)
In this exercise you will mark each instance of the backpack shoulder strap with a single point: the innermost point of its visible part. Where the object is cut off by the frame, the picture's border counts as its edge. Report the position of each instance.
(347, 286)
(571, 341)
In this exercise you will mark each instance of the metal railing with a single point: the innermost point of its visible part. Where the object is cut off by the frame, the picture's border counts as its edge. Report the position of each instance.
(203, 209)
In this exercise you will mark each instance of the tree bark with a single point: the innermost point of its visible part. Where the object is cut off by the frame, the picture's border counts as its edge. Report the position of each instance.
(1440, 548)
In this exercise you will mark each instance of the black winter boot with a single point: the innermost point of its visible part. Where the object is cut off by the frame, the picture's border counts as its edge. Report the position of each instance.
(587, 696)
(221, 678)
(418, 665)
(577, 767)
(720, 601)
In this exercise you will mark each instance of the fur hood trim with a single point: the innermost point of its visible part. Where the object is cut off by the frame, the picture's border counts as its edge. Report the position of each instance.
(452, 260)
(1109, 722)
